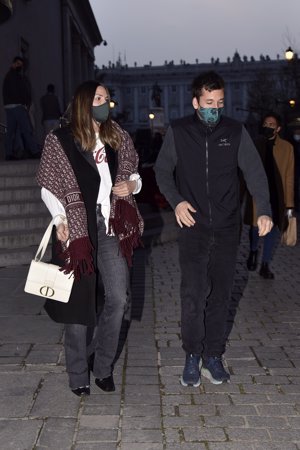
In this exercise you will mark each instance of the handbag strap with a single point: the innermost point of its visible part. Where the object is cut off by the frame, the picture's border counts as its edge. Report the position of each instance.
(45, 240)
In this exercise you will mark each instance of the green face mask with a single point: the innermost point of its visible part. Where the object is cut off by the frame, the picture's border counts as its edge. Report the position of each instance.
(100, 113)
(210, 116)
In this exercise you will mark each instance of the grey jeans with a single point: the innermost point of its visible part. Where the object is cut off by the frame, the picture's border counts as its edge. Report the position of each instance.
(115, 276)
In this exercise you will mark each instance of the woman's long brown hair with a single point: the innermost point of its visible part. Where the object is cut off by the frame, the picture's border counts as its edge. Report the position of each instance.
(82, 119)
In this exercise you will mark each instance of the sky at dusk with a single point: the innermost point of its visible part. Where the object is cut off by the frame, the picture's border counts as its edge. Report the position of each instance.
(158, 30)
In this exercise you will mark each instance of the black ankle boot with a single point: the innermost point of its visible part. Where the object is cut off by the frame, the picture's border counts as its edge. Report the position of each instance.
(252, 260)
(265, 271)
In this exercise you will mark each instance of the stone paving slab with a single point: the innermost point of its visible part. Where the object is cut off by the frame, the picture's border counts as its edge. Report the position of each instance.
(150, 410)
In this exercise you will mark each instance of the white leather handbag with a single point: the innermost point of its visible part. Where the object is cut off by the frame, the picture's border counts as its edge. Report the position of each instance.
(45, 279)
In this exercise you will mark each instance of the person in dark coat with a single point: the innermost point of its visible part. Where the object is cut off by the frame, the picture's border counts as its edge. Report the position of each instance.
(16, 92)
(277, 156)
(88, 173)
(50, 109)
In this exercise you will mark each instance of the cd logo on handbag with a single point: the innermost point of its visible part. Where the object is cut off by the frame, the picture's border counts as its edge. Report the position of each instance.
(47, 291)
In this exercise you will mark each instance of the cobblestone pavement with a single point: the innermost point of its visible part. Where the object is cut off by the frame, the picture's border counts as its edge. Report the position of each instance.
(150, 410)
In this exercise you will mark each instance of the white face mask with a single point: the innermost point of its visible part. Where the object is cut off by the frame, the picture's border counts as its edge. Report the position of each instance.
(296, 137)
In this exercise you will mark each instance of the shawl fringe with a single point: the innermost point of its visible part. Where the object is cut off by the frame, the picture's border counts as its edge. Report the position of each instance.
(78, 258)
(125, 225)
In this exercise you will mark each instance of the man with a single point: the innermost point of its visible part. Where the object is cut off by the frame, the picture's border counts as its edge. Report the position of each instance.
(50, 110)
(17, 100)
(278, 159)
(206, 150)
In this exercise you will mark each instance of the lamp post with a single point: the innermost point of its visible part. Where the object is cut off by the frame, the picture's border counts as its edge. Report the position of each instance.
(293, 62)
(151, 117)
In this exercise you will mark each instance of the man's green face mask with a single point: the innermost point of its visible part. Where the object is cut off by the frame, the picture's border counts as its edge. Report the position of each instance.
(211, 116)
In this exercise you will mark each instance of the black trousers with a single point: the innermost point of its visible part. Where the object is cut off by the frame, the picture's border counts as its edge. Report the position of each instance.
(207, 261)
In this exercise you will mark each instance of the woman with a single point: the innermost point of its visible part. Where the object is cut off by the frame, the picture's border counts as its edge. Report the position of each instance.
(88, 173)
(277, 156)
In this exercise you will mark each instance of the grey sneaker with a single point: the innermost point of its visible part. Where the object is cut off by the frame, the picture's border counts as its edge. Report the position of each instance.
(213, 369)
(191, 371)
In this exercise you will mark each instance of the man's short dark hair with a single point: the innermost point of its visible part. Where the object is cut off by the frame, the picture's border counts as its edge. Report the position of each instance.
(275, 115)
(18, 58)
(210, 81)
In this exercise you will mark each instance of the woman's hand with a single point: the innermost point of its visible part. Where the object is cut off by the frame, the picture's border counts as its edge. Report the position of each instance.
(124, 188)
(62, 232)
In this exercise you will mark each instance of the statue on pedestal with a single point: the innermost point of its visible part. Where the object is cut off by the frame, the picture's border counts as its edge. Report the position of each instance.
(156, 91)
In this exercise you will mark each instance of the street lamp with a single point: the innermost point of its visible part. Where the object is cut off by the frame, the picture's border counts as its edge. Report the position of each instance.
(151, 117)
(112, 104)
(289, 54)
(292, 103)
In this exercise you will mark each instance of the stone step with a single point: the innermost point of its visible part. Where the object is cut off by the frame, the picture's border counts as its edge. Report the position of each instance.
(20, 223)
(20, 256)
(22, 239)
(19, 168)
(16, 181)
(22, 208)
(20, 194)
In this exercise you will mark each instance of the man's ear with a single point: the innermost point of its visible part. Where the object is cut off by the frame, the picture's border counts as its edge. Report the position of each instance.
(195, 103)
(278, 129)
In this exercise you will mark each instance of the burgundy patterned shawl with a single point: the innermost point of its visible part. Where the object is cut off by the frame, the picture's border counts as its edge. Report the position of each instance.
(55, 173)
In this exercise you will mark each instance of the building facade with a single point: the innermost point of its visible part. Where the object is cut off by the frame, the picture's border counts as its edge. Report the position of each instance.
(165, 90)
(57, 39)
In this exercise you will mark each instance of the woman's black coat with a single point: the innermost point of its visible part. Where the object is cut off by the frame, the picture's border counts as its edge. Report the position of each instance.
(87, 294)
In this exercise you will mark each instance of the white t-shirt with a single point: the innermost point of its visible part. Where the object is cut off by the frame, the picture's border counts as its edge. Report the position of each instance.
(106, 183)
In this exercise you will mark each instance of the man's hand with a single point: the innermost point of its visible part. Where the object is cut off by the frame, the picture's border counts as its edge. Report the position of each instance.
(182, 214)
(62, 232)
(124, 188)
(264, 224)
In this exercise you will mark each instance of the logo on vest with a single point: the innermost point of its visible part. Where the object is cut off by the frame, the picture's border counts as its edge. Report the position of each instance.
(47, 291)
(224, 143)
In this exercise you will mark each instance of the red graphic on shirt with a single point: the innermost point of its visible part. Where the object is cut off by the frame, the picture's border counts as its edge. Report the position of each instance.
(100, 155)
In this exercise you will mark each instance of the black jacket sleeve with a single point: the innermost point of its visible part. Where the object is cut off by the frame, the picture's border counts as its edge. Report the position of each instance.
(254, 174)
(164, 170)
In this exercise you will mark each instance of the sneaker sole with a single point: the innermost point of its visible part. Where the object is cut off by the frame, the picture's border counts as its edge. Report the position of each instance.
(183, 383)
(206, 373)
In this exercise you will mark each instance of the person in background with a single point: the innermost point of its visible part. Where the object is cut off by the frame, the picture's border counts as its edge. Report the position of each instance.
(277, 156)
(16, 93)
(88, 174)
(206, 150)
(296, 144)
(51, 111)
